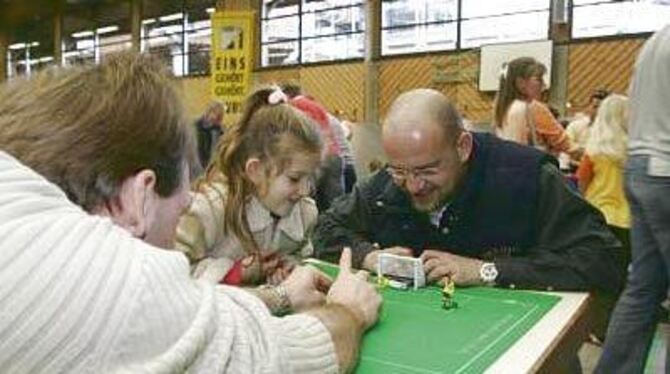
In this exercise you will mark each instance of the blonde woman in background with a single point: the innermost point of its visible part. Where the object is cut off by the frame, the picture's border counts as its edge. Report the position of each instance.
(600, 172)
(578, 128)
(601, 179)
(519, 116)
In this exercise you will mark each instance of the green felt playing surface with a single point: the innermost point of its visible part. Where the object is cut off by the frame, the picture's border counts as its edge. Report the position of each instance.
(416, 335)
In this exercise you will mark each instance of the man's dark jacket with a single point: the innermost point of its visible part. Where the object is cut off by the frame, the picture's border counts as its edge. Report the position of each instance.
(514, 208)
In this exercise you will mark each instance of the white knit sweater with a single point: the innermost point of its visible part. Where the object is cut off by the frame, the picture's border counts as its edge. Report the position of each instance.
(79, 294)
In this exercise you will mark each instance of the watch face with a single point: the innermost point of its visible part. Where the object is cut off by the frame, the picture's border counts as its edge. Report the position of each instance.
(488, 272)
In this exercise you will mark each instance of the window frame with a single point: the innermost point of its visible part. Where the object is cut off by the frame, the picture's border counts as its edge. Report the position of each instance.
(33, 58)
(189, 30)
(301, 38)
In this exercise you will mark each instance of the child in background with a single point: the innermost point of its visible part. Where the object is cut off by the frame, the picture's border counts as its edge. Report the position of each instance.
(251, 217)
(600, 172)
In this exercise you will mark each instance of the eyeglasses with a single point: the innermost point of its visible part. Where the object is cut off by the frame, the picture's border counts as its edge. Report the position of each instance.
(402, 175)
(432, 170)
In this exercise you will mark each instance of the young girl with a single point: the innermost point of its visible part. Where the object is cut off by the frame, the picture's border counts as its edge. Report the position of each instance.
(251, 217)
(519, 116)
(600, 172)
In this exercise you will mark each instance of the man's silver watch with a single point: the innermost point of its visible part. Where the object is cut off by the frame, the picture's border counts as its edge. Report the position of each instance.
(488, 272)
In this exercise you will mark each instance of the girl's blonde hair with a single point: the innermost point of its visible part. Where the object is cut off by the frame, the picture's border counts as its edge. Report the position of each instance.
(270, 130)
(522, 67)
(608, 135)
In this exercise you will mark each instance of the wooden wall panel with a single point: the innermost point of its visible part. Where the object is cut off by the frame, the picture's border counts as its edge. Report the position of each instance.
(600, 64)
(340, 88)
(399, 75)
(196, 95)
(472, 103)
(275, 76)
(455, 75)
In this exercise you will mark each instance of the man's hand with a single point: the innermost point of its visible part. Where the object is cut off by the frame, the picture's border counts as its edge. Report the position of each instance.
(371, 259)
(355, 293)
(464, 271)
(306, 288)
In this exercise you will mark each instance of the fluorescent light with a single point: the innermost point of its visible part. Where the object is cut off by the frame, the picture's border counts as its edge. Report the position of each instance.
(211, 10)
(82, 34)
(107, 29)
(23, 45)
(148, 21)
(47, 59)
(171, 17)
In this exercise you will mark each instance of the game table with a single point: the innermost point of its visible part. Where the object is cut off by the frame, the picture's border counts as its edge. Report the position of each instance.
(492, 330)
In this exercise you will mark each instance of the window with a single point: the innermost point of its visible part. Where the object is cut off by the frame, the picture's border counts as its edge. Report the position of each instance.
(24, 58)
(164, 37)
(430, 25)
(91, 39)
(112, 39)
(294, 32)
(419, 26)
(494, 21)
(332, 30)
(280, 32)
(89, 46)
(18, 59)
(181, 38)
(80, 47)
(198, 41)
(178, 32)
(593, 18)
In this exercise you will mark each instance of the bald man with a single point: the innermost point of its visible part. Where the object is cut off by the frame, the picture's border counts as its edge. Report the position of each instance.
(477, 209)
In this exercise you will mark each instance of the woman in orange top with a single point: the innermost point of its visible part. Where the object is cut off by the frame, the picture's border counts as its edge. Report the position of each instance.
(519, 116)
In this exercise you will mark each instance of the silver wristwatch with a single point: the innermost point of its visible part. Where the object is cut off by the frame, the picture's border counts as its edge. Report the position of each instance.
(488, 273)
(278, 300)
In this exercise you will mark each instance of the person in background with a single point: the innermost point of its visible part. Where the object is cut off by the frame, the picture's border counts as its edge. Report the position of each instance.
(94, 172)
(330, 179)
(600, 179)
(518, 114)
(209, 128)
(636, 314)
(343, 132)
(477, 209)
(375, 165)
(578, 128)
(600, 172)
(252, 217)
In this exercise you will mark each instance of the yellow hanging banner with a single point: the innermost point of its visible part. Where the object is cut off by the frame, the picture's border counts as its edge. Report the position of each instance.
(232, 59)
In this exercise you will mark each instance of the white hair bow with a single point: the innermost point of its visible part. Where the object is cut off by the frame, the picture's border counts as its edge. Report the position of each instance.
(277, 96)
